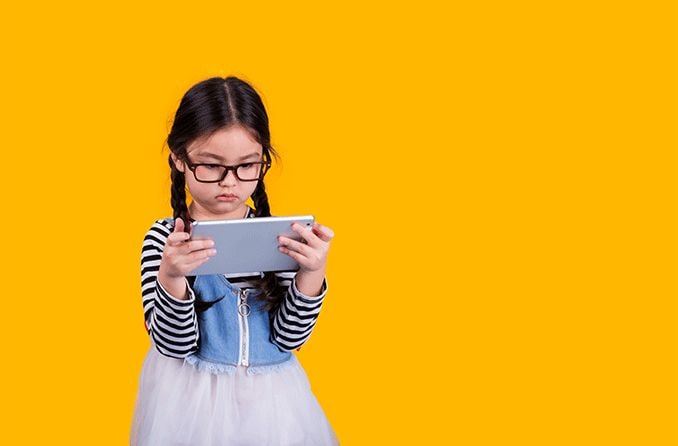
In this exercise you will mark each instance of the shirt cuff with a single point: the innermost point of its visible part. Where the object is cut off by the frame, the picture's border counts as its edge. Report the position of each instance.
(309, 299)
(173, 300)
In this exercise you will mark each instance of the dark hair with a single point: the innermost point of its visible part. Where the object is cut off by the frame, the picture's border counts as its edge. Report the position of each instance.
(207, 107)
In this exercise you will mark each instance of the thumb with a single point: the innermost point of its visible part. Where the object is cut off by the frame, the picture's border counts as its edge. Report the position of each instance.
(178, 225)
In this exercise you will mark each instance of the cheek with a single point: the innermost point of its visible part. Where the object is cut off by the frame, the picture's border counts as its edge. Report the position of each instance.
(194, 187)
(249, 188)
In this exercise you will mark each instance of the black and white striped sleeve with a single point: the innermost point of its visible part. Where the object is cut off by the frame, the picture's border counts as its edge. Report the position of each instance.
(171, 323)
(296, 316)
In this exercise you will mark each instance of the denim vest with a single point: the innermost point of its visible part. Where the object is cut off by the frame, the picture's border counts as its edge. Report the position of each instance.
(235, 329)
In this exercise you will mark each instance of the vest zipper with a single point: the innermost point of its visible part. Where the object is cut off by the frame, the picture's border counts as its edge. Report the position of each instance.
(243, 312)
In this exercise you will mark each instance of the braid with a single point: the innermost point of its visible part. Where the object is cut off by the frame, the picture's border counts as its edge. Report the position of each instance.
(260, 199)
(178, 198)
(271, 293)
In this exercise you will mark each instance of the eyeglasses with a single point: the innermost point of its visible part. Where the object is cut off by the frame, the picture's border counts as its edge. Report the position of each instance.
(214, 173)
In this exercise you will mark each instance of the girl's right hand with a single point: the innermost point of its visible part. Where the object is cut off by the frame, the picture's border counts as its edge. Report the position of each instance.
(181, 255)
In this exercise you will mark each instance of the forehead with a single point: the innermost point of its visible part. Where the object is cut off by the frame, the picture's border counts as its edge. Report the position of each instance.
(231, 143)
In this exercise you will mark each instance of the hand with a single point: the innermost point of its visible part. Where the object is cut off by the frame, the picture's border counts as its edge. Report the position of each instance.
(181, 255)
(311, 255)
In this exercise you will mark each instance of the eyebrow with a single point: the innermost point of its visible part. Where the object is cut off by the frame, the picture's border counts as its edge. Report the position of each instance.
(218, 158)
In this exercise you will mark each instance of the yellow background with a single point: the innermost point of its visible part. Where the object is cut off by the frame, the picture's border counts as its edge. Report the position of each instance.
(501, 177)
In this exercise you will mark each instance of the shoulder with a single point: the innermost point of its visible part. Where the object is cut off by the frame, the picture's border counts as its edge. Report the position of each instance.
(159, 231)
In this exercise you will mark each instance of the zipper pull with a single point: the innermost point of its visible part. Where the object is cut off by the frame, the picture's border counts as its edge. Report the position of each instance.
(243, 306)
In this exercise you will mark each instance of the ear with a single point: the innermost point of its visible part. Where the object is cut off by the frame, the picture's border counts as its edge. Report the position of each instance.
(181, 167)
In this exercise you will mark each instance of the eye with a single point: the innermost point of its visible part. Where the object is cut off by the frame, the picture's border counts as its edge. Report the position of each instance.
(246, 165)
(212, 166)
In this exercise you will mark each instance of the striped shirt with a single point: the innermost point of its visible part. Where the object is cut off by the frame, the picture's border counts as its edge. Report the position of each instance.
(173, 323)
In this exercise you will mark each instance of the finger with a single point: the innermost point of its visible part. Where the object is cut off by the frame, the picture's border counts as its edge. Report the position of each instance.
(192, 247)
(293, 245)
(177, 238)
(323, 232)
(295, 255)
(306, 234)
(197, 245)
(197, 256)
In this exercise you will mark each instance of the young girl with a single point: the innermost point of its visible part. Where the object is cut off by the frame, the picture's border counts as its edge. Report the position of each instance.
(220, 370)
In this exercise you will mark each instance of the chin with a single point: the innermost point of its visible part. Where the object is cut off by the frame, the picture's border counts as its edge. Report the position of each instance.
(225, 208)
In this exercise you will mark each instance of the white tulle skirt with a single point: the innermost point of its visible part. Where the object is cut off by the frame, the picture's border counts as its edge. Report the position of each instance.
(179, 405)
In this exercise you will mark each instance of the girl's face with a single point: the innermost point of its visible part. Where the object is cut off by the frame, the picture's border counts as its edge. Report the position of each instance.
(226, 199)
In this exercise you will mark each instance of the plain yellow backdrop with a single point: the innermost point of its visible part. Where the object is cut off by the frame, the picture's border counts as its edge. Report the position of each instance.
(501, 178)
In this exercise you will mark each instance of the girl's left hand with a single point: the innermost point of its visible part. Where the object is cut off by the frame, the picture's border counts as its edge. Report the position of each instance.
(312, 253)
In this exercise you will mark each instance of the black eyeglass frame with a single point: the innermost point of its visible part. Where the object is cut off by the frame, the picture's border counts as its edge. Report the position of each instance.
(265, 166)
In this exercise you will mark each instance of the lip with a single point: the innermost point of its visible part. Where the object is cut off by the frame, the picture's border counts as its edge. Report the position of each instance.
(227, 197)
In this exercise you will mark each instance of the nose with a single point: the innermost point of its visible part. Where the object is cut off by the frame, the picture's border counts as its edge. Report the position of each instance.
(229, 179)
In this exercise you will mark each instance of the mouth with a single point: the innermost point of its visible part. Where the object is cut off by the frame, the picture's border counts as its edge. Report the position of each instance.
(227, 197)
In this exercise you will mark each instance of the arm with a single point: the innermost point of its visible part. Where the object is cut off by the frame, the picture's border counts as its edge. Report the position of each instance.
(171, 322)
(295, 317)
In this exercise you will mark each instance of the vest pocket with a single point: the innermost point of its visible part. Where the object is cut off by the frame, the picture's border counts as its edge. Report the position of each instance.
(208, 292)
(204, 305)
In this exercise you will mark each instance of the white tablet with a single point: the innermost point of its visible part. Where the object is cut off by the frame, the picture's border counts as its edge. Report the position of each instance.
(248, 244)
